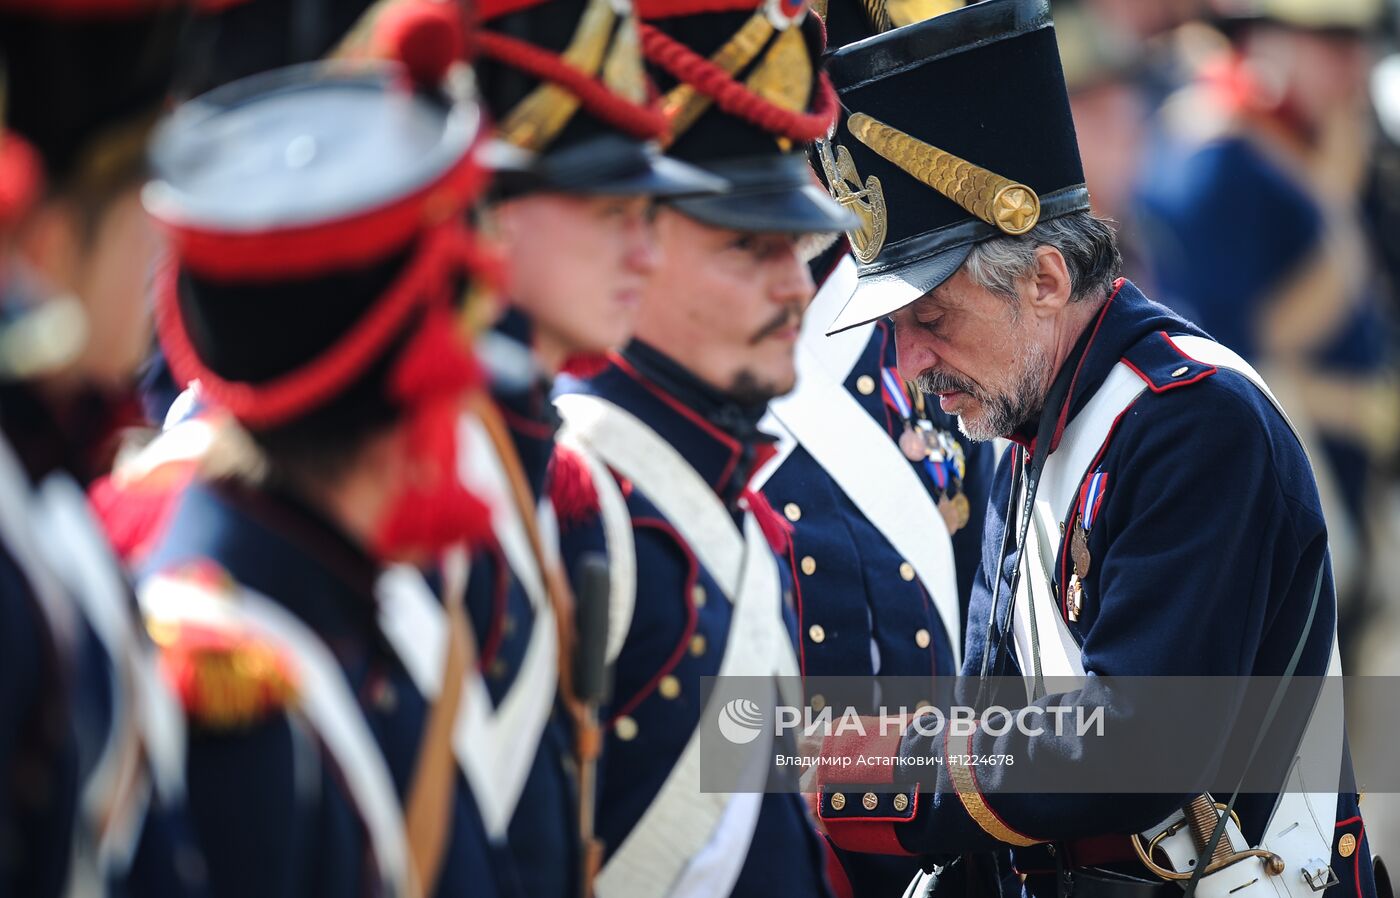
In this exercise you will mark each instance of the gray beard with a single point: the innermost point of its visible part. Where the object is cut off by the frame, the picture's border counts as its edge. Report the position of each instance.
(1002, 413)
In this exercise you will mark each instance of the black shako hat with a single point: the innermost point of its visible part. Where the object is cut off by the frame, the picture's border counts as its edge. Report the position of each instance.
(565, 84)
(743, 96)
(317, 217)
(953, 130)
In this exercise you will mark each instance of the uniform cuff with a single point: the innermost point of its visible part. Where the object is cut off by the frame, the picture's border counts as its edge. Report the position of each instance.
(856, 801)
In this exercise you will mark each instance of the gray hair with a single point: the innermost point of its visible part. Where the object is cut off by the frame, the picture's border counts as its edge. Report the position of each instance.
(1087, 244)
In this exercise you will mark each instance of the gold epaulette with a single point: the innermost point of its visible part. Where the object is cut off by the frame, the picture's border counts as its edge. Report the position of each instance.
(225, 677)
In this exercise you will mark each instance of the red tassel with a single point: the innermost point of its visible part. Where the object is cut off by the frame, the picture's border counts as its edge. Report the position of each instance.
(422, 522)
(433, 375)
(775, 527)
(435, 362)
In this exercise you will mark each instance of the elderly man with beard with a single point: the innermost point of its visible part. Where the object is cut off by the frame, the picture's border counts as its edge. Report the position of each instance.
(1156, 516)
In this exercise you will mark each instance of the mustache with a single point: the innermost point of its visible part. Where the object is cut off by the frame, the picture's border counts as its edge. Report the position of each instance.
(790, 316)
(933, 381)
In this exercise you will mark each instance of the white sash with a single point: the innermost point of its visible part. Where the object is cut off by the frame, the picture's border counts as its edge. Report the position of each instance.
(687, 837)
(147, 718)
(325, 699)
(1300, 829)
(495, 745)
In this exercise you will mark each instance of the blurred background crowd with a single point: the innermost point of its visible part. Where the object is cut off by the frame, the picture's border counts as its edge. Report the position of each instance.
(1249, 151)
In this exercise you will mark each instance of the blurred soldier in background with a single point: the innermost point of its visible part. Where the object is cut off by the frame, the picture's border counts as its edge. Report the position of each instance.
(91, 745)
(318, 221)
(667, 440)
(1254, 228)
(577, 166)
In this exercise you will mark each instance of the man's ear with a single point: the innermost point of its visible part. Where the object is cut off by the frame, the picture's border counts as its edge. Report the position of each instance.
(50, 243)
(1051, 287)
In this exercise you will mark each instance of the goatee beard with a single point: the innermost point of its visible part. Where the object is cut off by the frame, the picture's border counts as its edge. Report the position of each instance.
(1002, 413)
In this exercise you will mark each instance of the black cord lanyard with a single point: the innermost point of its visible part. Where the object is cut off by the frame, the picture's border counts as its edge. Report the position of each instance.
(1044, 437)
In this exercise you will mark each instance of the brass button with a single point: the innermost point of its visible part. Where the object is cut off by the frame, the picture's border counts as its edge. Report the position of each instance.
(818, 702)
(626, 729)
(838, 801)
(906, 570)
(792, 512)
(870, 801)
(508, 625)
(809, 565)
(921, 638)
(697, 596)
(697, 645)
(817, 633)
(901, 802)
(865, 384)
(1346, 845)
(1180, 371)
(669, 687)
(497, 669)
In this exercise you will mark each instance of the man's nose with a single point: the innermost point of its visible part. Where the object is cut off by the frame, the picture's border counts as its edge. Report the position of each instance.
(792, 282)
(643, 248)
(913, 353)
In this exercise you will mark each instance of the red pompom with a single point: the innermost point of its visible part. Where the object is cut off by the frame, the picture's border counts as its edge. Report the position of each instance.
(21, 177)
(571, 489)
(427, 36)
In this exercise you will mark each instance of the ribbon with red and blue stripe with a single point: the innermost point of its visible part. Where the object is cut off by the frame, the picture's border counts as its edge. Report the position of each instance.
(895, 395)
(1091, 497)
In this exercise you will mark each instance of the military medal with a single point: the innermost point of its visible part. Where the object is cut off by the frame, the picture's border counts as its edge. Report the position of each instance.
(1076, 597)
(913, 445)
(1090, 498)
(963, 511)
(1079, 551)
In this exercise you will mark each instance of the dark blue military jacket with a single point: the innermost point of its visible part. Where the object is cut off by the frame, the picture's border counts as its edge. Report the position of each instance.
(268, 804)
(860, 589)
(545, 823)
(681, 623)
(1206, 550)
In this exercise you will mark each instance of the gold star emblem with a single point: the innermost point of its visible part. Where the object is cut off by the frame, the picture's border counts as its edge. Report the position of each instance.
(1017, 209)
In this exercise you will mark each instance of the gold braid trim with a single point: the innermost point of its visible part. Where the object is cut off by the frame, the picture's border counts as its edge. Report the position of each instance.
(1006, 205)
(543, 113)
(973, 801)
